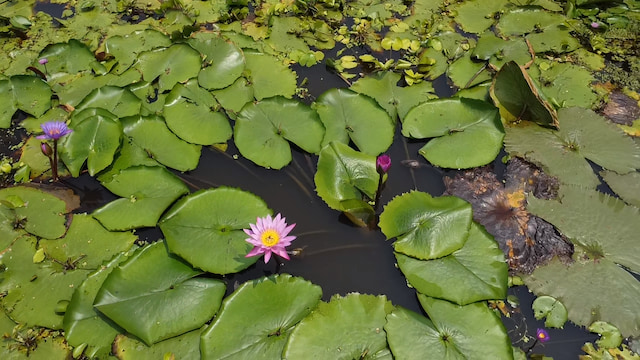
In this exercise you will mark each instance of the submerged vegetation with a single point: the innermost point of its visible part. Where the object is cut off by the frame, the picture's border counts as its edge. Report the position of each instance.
(147, 88)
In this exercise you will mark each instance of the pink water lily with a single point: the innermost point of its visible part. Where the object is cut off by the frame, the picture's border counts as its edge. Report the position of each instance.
(270, 236)
(383, 163)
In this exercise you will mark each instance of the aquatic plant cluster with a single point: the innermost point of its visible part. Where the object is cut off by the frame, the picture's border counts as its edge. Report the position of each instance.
(133, 94)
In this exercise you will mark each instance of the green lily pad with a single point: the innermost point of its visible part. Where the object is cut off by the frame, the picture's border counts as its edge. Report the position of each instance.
(426, 227)
(465, 73)
(151, 133)
(263, 129)
(36, 211)
(95, 138)
(155, 296)
(499, 51)
(130, 155)
(568, 85)
(467, 132)
(21, 92)
(396, 100)
(119, 101)
(350, 116)
(25, 282)
(476, 16)
(279, 80)
(451, 332)
(611, 337)
(234, 97)
(190, 112)
(554, 38)
(223, 63)
(551, 309)
(323, 332)
(205, 228)
(183, 347)
(126, 48)
(86, 245)
(523, 21)
(177, 63)
(82, 323)
(518, 97)
(71, 57)
(71, 89)
(475, 272)
(591, 290)
(256, 320)
(146, 193)
(583, 135)
(626, 186)
(345, 174)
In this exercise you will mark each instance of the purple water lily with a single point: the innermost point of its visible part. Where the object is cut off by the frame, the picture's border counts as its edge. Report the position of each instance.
(54, 130)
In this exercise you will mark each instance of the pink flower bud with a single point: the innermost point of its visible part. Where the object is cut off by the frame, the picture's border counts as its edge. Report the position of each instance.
(46, 149)
(383, 163)
(43, 61)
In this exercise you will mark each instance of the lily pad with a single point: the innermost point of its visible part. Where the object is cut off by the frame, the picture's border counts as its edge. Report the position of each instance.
(151, 133)
(345, 174)
(350, 116)
(551, 309)
(95, 138)
(183, 347)
(475, 272)
(568, 85)
(146, 193)
(234, 97)
(465, 72)
(322, 333)
(223, 60)
(21, 92)
(518, 97)
(205, 228)
(396, 100)
(190, 112)
(177, 63)
(476, 16)
(82, 323)
(467, 132)
(584, 135)
(155, 296)
(279, 80)
(263, 129)
(71, 57)
(119, 101)
(126, 48)
(277, 303)
(626, 186)
(36, 211)
(452, 332)
(426, 227)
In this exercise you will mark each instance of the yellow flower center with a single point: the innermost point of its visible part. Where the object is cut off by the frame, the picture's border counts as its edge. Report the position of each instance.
(270, 237)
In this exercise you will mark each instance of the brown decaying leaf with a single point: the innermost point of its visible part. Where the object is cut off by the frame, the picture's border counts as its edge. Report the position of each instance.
(526, 240)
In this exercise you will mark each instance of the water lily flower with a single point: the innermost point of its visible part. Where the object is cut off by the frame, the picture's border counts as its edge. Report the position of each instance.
(270, 236)
(542, 335)
(595, 25)
(46, 149)
(43, 61)
(383, 163)
(54, 130)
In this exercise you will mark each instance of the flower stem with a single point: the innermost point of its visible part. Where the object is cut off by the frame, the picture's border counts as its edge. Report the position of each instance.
(379, 191)
(54, 164)
(532, 346)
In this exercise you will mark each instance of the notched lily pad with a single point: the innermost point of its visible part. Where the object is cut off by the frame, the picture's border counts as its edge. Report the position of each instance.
(223, 60)
(177, 63)
(426, 227)
(33, 210)
(551, 309)
(21, 92)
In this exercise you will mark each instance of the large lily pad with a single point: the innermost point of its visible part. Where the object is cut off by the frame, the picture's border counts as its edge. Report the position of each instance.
(350, 116)
(467, 132)
(155, 296)
(475, 16)
(95, 138)
(518, 97)
(475, 272)
(151, 133)
(37, 212)
(126, 48)
(323, 332)
(223, 62)
(146, 193)
(426, 227)
(71, 57)
(569, 85)
(345, 174)
(119, 101)
(583, 135)
(190, 112)
(263, 129)
(256, 320)
(205, 228)
(279, 80)
(452, 332)
(177, 63)
(183, 347)
(21, 92)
